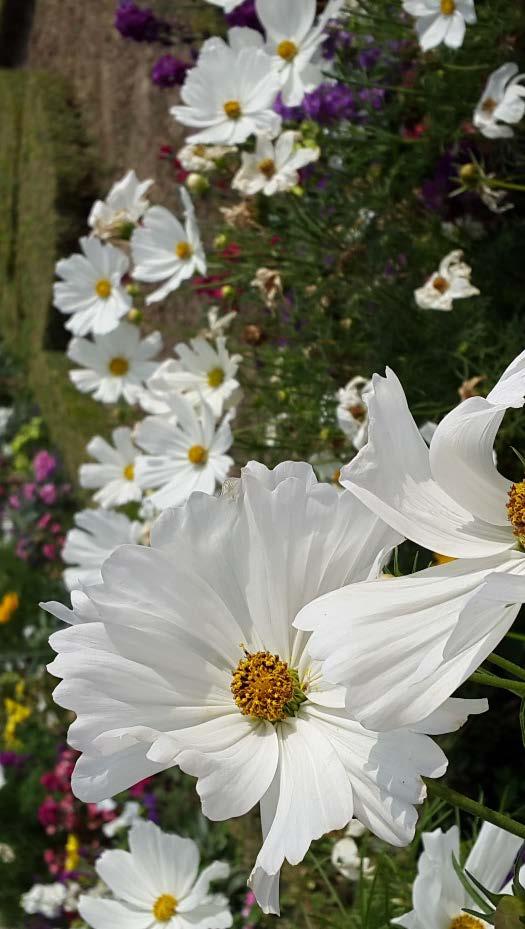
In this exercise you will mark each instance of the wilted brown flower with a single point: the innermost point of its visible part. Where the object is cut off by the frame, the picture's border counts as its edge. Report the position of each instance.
(240, 216)
(468, 387)
(252, 334)
(269, 285)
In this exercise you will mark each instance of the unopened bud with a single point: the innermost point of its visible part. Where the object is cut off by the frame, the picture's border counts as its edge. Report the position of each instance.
(197, 183)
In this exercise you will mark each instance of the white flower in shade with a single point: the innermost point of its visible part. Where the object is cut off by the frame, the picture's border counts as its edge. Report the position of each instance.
(202, 372)
(46, 899)
(123, 207)
(91, 291)
(227, 689)
(114, 475)
(157, 884)
(229, 94)
(96, 534)
(326, 466)
(165, 250)
(441, 623)
(502, 102)
(347, 860)
(187, 452)
(273, 167)
(439, 897)
(5, 415)
(115, 366)
(7, 853)
(217, 323)
(131, 814)
(203, 158)
(441, 21)
(451, 282)
(227, 5)
(2, 777)
(351, 412)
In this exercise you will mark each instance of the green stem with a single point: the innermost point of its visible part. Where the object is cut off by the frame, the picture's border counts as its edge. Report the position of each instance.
(504, 185)
(506, 665)
(329, 886)
(500, 683)
(438, 789)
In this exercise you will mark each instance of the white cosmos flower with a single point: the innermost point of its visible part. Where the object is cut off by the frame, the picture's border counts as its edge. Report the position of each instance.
(156, 885)
(441, 623)
(187, 452)
(90, 291)
(274, 166)
(451, 282)
(114, 476)
(351, 412)
(96, 534)
(347, 860)
(217, 323)
(47, 899)
(131, 814)
(502, 102)
(439, 897)
(165, 250)
(203, 158)
(123, 207)
(202, 372)
(441, 21)
(230, 92)
(115, 366)
(196, 663)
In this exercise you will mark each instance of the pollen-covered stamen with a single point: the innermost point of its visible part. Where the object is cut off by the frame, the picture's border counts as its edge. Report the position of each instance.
(448, 7)
(118, 367)
(287, 50)
(440, 284)
(516, 510)
(164, 908)
(267, 167)
(265, 687)
(198, 455)
(489, 105)
(233, 109)
(103, 288)
(358, 411)
(129, 472)
(183, 250)
(215, 377)
(465, 921)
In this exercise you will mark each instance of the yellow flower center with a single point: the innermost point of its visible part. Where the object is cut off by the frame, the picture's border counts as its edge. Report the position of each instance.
(199, 150)
(440, 284)
(448, 7)
(489, 105)
(465, 922)
(164, 908)
(516, 510)
(441, 559)
(233, 109)
(267, 167)
(8, 606)
(287, 50)
(215, 377)
(265, 687)
(336, 476)
(129, 472)
(118, 367)
(103, 288)
(198, 455)
(183, 250)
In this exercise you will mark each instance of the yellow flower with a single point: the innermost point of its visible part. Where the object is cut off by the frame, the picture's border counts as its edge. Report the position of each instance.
(72, 853)
(16, 713)
(8, 606)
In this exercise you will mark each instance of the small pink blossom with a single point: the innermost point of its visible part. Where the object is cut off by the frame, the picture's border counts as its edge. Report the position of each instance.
(48, 494)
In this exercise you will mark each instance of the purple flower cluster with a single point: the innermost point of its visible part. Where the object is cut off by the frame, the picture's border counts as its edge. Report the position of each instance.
(332, 102)
(244, 15)
(140, 25)
(169, 71)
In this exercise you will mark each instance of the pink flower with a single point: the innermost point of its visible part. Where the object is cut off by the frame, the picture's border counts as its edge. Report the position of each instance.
(48, 815)
(44, 465)
(44, 520)
(14, 502)
(56, 528)
(29, 491)
(49, 551)
(48, 494)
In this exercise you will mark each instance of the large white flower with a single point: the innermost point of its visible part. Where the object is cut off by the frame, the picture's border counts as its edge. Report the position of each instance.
(91, 291)
(47, 899)
(439, 897)
(165, 250)
(203, 372)
(294, 39)
(351, 412)
(273, 167)
(187, 452)
(451, 282)
(96, 534)
(441, 21)
(196, 663)
(502, 102)
(115, 366)
(157, 884)
(123, 207)
(114, 476)
(230, 93)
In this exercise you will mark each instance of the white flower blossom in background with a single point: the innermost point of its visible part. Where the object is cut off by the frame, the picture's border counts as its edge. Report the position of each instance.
(202, 372)
(131, 814)
(115, 366)
(217, 323)
(347, 860)
(5, 415)
(157, 884)
(187, 452)
(114, 475)
(46, 899)
(293, 40)
(165, 250)
(438, 894)
(203, 158)
(326, 466)
(94, 537)
(91, 291)
(351, 412)
(122, 209)
(229, 94)
(274, 166)
(451, 282)
(7, 853)
(441, 21)
(502, 102)
(195, 663)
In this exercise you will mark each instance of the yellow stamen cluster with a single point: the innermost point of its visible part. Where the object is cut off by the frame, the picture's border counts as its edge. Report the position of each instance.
(233, 109)
(215, 377)
(118, 367)
(516, 510)
(287, 50)
(103, 288)
(164, 908)
(183, 250)
(465, 921)
(448, 7)
(489, 105)
(440, 284)
(267, 167)
(8, 606)
(198, 455)
(129, 472)
(265, 687)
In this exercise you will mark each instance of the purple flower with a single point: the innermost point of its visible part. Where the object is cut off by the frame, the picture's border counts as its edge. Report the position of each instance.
(48, 494)
(29, 491)
(169, 71)
(337, 41)
(373, 96)
(244, 15)
(140, 25)
(12, 759)
(288, 113)
(368, 57)
(44, 465)
(329, 103)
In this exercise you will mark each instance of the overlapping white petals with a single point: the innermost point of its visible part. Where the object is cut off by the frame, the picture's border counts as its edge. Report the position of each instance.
(203, 372)
(95, 536)
(451, 282)
(502, 103)
(274, 166)
(440, 22)
(115, 366)
(114, 475)
(91, 291)
(122, 209)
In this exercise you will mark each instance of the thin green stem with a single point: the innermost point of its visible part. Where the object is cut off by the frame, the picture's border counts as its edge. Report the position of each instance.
(329, 886)
(438, 789)
(506, 665)
(504, 185)
(500, 683)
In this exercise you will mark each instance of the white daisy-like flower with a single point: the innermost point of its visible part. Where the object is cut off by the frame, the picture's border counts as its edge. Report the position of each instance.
(274, 166)
(441, 21)
(115, 366)
(347, 860)
(451, 282)
(351, 412)
(46, 899)
(156, 885)
(438, 895)
(293, 40)
(502, 102)
(165, 250)
(203, 158)
(440, 624)
(202, 372)
(187, 452)
(114, 475)
(229, 94)
(91, 291)
(196, 663)
(96, 534)
(217, 323)
(122, 209)
(131, 813)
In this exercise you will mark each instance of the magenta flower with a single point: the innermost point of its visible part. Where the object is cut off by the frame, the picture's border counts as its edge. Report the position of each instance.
(44, 465)
(48, 494)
